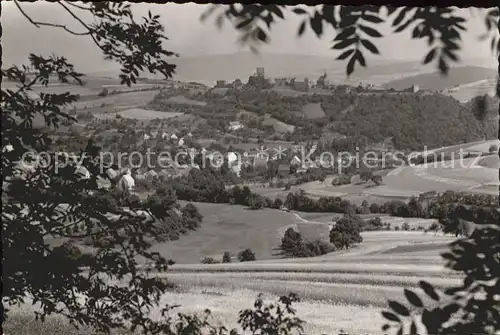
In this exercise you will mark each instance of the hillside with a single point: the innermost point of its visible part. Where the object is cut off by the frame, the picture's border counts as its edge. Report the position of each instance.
(436, 82)
(412, 120)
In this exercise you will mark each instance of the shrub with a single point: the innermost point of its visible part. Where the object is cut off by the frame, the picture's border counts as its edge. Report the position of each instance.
(377, 179)
(246, 255)
(396, 228)
(103, 93)
(209, 260)
(434, 226)
(493, 149)
(291, 243)
(405, 226)
(318, 248)
(278, 203)
(69, 250)
(346, 231)
(226, 257)
(374, 208)
(373, 224)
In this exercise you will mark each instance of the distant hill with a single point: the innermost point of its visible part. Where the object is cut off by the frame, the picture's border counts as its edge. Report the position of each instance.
(436, 82)
(208, 69)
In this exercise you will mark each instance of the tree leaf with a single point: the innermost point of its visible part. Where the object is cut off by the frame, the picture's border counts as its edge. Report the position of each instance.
(443, 67)
(430, 55)
(429, 290)
(350, 65)
(261, 35)
(369, 31)
(317, 24)
(302, 28)
(385, 327)
(372, 18)
(400, 17)
(413, 328)
(244, 23)
(451, 55)
(370, 46)
(299, 11)
(344, 44)
(360, 58)
(400, 331)
(345, 54)
(345, 33)
(413, 298)
(399, 308)
(403, 26)
(391, 316)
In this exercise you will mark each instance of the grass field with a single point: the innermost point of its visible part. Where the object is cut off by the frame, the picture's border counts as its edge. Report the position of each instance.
(139, 113)
(342, 290)
(229, 228)
(180, 99)
(278, 126)
(118, 101)
(313, 111)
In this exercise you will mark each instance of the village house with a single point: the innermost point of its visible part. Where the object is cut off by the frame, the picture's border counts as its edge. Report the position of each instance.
(283, 170)
(302, 86)
(151, 174)
(237, 83)
(322, 82)
(235, 125)
(295, 161)
(260, 162)
(221, 84)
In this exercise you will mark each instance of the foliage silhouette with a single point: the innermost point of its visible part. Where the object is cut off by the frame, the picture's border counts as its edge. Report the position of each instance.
(49, 200)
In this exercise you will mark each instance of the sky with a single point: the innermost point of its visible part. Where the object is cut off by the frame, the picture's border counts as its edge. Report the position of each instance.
(190, 37)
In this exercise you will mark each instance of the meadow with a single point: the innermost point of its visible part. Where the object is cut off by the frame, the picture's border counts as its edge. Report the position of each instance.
(139, 114)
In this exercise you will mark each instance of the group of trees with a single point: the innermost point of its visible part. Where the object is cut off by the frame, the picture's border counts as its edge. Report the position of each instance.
(207, 185)
(293, 245)
(413, 121)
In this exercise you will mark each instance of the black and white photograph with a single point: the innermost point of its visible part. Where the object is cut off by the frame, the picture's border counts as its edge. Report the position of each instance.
(250, 168)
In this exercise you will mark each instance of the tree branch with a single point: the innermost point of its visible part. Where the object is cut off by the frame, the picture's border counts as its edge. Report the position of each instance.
(55, 25)
(77, 6)
(91, 31)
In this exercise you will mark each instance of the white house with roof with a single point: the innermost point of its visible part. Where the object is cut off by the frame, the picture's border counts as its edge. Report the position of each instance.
(181, 142)
(112, 174)
(126, 183)
(83, 172)
(295, 161)
(146, 137)
(235, 125)
(164, 136)
(8, 148)
(232, 157)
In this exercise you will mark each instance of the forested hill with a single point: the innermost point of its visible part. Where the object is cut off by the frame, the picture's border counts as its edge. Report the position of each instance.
(412, 120)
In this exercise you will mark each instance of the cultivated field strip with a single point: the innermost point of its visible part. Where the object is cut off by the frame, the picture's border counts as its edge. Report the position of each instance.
(329, 278)
(333, 293)
(394, 269)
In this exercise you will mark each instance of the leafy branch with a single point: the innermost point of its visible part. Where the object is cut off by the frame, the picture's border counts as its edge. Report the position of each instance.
(356, 28)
